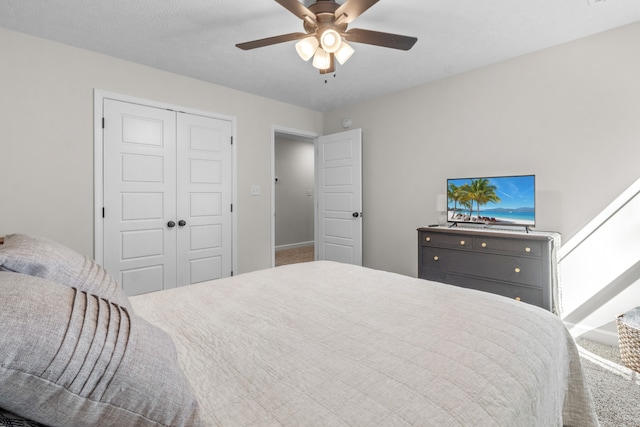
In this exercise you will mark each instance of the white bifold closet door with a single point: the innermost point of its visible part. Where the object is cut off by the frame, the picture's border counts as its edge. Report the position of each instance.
(167, 197)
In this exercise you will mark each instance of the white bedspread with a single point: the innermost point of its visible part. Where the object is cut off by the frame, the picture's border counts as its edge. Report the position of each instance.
(328, 344)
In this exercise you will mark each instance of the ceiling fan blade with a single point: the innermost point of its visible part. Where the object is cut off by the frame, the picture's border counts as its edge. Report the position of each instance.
(297, 8)
(394, 41)
(271, 40)
(353, 8)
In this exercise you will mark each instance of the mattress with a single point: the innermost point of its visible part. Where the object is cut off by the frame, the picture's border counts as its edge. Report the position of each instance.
(332, 344)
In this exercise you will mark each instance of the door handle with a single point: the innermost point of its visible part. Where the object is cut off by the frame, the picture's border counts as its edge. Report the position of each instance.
(356, 214)
(182, 223)
(171, 224)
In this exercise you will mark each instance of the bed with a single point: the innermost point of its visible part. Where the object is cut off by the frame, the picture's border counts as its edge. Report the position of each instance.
(319, 343)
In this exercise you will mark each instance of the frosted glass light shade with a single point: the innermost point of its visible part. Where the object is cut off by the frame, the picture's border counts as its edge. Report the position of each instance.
(307, 47)
(330, 40)
(322, 59)
(343, 53)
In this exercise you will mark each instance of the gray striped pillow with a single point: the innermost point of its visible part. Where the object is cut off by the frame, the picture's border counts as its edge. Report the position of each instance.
(68, 357)
(45, 258)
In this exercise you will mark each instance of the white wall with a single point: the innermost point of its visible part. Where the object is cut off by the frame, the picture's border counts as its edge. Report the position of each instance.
(46, 139)
(294, 168)
(568, 114)
(602, 274)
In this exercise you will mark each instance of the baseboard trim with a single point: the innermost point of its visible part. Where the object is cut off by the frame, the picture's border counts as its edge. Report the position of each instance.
(294, 245)
(606, 334)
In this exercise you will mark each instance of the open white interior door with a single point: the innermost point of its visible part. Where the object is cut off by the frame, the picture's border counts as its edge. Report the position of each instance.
(339, 197)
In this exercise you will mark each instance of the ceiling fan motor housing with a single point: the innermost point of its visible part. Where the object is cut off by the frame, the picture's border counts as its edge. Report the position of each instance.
(325, 18)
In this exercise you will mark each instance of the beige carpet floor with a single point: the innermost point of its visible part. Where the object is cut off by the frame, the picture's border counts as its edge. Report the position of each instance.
(294, 256)
(615, 388)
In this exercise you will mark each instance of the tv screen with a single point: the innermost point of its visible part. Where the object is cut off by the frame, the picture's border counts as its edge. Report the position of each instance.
(501, 200)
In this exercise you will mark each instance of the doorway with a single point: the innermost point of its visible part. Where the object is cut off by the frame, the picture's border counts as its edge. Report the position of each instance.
(294, 200)
(336, 194)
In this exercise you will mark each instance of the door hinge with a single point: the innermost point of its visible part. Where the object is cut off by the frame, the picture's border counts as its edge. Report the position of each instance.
(231, 140)
(103, 123)
(231, 207)
(102, 212)
(231, 272)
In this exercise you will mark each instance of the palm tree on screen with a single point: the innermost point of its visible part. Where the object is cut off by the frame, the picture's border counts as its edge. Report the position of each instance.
(454, 194)
(481, 191)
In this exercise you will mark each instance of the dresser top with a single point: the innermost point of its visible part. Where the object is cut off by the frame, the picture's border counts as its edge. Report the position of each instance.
(477, 231)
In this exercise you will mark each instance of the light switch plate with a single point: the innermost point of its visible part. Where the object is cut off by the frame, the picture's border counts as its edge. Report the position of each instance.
(255, 190)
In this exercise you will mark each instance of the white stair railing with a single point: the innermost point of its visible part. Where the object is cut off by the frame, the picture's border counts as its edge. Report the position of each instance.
(600, 268)
(599, 220)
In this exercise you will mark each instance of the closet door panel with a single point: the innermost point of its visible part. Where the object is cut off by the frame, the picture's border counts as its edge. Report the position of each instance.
(139, 196)
(204, 198)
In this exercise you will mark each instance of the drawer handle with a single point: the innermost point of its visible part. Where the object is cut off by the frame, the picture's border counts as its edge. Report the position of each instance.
(435, 258)
(517, 270)
(484, 245)
(527, 249)
(518, 299)
(462, 242)
(428, 239)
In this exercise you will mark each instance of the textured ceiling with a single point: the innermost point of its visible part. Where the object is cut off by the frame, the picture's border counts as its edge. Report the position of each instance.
(197, 38)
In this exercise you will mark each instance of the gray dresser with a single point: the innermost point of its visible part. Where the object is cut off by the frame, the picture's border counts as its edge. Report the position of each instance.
(513, 264)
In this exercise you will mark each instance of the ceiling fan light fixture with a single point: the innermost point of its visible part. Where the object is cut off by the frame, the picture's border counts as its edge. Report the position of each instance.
(307, 47)
(322, 59)
(330, 40)
(325, 23)
(343, 53)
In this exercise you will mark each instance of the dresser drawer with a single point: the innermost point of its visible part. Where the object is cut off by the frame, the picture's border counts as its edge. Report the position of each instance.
(520, 293)
(446, 239)
(526, 271)
(515, 265)
(508, 246)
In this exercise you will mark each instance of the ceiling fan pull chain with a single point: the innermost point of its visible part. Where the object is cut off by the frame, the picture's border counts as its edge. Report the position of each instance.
(334, 76)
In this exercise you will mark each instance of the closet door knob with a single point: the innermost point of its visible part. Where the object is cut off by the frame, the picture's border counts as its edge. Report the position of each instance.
(182, 223)
(171, 224)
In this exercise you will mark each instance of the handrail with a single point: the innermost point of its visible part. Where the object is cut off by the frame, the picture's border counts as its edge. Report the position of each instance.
(599, 220)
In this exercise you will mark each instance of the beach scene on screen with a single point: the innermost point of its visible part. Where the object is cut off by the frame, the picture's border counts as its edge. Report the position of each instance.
(508, 200)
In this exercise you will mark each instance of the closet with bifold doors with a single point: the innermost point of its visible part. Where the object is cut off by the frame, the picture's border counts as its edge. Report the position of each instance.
(167, 194)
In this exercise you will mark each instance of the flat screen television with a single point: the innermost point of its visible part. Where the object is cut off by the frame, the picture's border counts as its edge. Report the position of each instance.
(498, 200)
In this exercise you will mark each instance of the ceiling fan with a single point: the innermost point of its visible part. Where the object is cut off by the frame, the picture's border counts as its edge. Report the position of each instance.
(325, 23)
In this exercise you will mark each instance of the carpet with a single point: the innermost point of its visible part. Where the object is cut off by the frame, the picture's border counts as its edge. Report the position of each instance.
(615, 388)
(294, 256)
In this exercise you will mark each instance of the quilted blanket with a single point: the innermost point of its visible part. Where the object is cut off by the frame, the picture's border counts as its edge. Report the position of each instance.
(329, 344)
